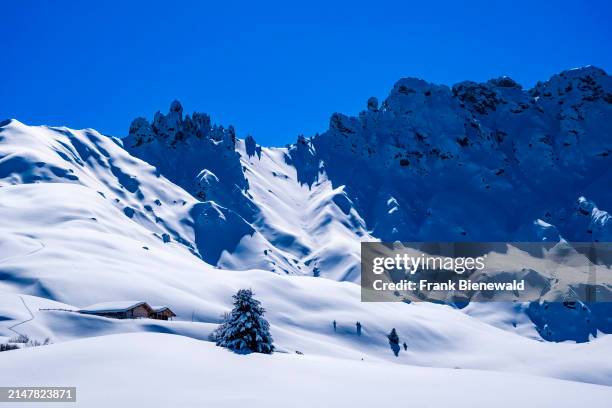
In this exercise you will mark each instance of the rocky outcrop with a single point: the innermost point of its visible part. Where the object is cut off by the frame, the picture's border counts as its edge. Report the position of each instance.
(194, 153)
(478, 161)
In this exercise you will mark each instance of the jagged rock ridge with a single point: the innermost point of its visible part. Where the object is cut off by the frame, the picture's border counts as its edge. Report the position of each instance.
(475, 161)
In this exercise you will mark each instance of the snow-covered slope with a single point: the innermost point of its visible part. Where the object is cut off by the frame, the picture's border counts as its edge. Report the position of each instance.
(262, 214)
(314, 226)
(70, 164)
(108, 371)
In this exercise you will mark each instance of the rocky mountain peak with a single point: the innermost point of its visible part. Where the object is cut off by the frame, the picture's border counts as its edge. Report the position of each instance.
(494, 142)
(192, 152)
(174, 129)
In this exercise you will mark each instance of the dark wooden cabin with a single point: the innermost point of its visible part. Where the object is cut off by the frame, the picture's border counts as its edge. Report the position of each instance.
(129, 310)
(162, 313)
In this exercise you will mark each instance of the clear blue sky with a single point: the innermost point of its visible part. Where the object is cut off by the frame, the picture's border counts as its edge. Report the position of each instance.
(273, 69)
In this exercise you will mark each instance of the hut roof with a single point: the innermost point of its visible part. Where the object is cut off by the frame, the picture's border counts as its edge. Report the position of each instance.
(113, 307)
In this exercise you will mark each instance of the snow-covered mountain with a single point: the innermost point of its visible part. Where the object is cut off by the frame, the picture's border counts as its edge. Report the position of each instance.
(475, 162)
(183, 213)
(255, 206)
(478, 162)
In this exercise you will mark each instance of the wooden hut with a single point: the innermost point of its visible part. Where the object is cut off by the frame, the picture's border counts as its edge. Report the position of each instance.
(120, 310)
(162, 313)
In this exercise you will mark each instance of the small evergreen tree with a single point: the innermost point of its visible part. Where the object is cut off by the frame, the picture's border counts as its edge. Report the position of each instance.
(244, 328)
(394, 342)
(393, 337)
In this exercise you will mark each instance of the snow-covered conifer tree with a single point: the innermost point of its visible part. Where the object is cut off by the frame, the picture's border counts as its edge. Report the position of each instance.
(393, 337)
(245, 329)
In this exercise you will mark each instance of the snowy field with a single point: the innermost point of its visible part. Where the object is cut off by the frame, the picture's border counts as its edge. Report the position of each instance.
(161, 370)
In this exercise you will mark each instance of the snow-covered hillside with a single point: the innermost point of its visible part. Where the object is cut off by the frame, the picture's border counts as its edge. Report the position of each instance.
(87, 163)
(183, 213)
(258, 209)
(118, 371)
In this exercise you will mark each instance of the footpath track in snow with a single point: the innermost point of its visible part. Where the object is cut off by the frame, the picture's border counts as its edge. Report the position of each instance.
(12, 328)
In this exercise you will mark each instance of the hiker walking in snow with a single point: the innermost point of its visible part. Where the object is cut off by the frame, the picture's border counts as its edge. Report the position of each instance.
(334, 325)
(405, 346)
(358, 328)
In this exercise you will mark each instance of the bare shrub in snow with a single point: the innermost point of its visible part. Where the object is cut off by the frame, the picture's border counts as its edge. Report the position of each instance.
(7, 347)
